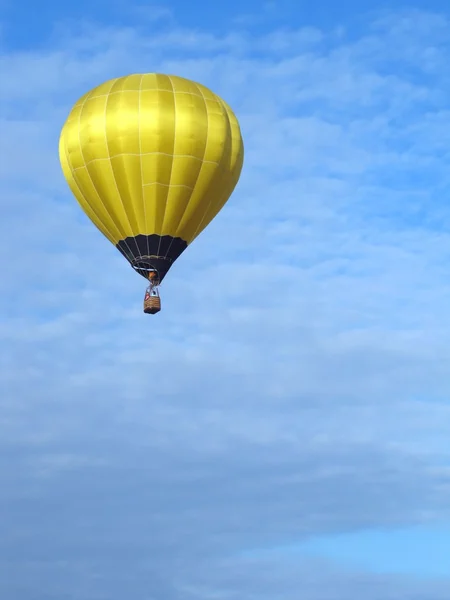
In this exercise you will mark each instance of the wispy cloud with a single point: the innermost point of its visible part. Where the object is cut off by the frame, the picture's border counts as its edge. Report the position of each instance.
(295, 384)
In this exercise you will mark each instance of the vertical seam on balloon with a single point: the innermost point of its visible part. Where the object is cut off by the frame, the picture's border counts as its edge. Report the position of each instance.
(140, 162)
(173, 155)
(201, 167)
(87, 170)
(220, 163)
(114, 175)
(86, 200)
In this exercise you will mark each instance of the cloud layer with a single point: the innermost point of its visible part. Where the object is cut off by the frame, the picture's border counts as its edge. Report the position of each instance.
(295, 384)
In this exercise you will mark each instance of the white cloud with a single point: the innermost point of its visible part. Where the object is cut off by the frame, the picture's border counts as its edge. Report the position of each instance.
(301, 357)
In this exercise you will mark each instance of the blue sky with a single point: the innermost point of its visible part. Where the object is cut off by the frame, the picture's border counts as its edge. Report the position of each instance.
(420, 551)
(298, 439)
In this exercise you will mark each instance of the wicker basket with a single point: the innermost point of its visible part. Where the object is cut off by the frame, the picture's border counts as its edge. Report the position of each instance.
(152, 305)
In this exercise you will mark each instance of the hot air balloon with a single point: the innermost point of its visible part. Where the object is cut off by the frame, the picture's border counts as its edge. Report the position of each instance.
(151, 159)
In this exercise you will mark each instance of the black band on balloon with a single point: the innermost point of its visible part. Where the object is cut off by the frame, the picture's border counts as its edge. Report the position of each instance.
(152, 252)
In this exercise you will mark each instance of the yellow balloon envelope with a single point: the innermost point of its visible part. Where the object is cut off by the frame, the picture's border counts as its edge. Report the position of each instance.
(151, 159)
